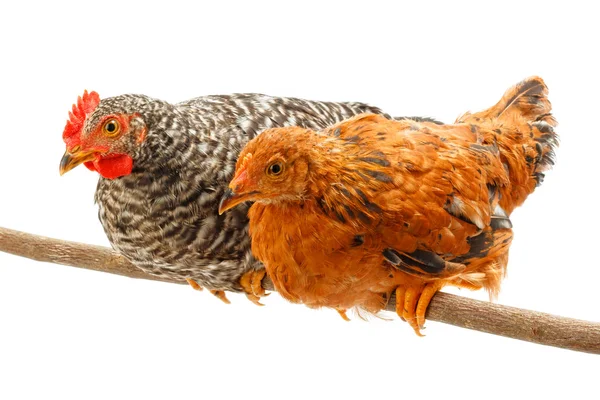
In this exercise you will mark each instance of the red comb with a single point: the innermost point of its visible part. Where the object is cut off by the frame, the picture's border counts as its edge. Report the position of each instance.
(85, 105)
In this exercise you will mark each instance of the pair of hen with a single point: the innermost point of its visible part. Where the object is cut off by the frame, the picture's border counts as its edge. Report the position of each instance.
(348, 205)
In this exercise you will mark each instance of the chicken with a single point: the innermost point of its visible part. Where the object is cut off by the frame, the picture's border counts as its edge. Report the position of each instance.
(347, 216)
(163, 169)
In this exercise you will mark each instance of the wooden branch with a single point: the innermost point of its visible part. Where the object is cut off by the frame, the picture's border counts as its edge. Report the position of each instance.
(482, 316)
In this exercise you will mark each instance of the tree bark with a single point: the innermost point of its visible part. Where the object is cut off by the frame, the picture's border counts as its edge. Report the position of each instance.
(482, 316)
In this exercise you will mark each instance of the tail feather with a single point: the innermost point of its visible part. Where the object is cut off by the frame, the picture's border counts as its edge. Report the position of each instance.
(527, 99)
(522, 125)
(546, 143)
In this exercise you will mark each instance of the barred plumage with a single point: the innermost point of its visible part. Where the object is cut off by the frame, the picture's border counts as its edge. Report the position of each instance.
(163, 215)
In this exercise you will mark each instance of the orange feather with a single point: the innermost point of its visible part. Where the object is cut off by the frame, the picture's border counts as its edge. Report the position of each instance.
(344, 217)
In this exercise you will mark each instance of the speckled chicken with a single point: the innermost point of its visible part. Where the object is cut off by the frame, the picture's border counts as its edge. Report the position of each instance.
(163, 168)
(346, 216)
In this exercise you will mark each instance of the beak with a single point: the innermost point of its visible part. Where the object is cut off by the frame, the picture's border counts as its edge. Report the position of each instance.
(231, 199)
(71, 160)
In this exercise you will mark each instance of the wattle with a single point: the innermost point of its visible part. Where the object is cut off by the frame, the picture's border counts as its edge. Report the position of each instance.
(112, 167)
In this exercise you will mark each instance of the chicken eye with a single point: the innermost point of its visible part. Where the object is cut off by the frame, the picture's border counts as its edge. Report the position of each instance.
(111, 128)
(275, 169)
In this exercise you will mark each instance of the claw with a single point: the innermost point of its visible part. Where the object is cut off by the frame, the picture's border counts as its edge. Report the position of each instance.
(256, 284)
(400, 294)
(217, 293)
(221, 296)
(251, 282)
(342, 313)
(194, 284)
(412, 303)
(430, 290)
(254, 299)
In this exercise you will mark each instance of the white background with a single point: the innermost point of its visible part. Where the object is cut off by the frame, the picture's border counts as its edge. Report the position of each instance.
(75, 334)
